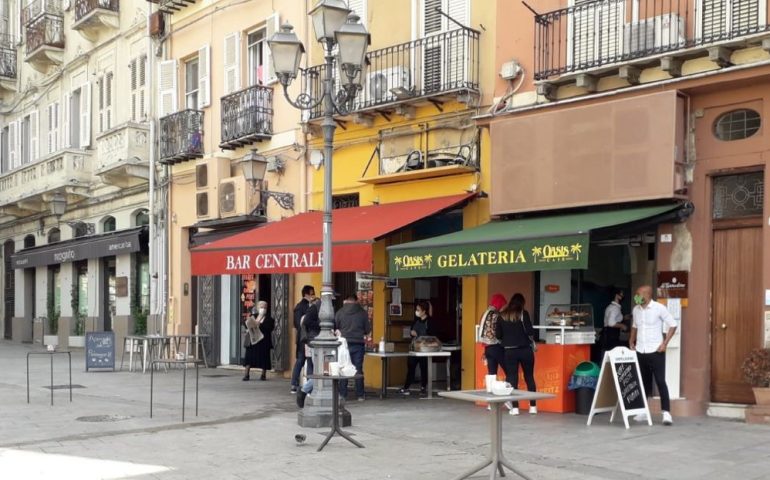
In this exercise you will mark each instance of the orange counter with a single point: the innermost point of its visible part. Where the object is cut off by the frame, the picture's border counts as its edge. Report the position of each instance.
(554, 365)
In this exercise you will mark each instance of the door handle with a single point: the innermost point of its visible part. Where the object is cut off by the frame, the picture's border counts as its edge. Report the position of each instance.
(724, 326)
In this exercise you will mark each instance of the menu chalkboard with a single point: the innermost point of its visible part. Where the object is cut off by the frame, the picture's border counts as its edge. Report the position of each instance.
(100, 350)
(630, 386)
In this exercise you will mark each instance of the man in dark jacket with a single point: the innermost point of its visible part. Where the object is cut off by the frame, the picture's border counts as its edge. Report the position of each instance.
(352, 323)
(308, 295)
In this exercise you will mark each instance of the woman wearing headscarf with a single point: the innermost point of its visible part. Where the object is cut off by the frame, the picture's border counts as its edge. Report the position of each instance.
(515, 332)
(259, 340)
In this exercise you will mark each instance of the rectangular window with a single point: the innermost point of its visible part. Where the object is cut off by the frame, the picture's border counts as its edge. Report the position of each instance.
(137, 71)
(53, 127)
(257, 51)
(191, 83)
(74, 119)
(25, 140)
(4, 151)
(105, 102)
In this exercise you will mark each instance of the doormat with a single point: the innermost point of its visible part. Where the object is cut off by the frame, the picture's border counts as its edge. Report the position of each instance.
(63, 387)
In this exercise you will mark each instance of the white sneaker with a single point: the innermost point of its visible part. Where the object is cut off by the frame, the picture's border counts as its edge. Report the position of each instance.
(509, 405)
(513, 411)
(641, 418)
(667, 420)
(489, 408)
(533, 410)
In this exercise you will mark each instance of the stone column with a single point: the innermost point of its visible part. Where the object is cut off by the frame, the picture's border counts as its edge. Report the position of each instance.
(123, 321)
(41, 303)
(22, 320)
(94, 320)
(66, 322)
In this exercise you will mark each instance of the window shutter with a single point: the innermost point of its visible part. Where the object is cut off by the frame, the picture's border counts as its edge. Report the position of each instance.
(34, 142)
(108, 100)
(431, 19)
(232, 62)
(359, 8)
(204, 76)
(85, 115)
(142, 86)
(51, 138)
(272, 27)
(166, 87)
(12, 142)
(459, 10)
(66, 141)
(102, 86)
(132, 73)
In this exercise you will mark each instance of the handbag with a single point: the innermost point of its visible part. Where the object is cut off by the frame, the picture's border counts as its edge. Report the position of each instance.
(532, 343)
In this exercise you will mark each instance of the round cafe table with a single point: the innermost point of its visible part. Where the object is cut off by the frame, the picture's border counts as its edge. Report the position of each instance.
(335, 379)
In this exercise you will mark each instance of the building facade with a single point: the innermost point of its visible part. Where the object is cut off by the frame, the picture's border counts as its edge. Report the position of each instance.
(74, 169)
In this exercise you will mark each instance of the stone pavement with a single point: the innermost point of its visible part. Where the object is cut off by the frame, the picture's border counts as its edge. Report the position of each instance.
(246, 430)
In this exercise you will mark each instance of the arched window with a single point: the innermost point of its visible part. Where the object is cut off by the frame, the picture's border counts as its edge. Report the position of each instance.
(737, 124)
(54, 235)
(29, 241)
(142, 218)
(108, 224)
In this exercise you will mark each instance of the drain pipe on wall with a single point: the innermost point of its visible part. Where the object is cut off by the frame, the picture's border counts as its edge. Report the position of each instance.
(153, 230)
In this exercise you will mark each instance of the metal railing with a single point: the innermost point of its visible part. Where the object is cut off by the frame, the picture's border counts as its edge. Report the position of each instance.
(84, 7)
(181, 136)
(45, 31)
(171, 6)
(38, 8)
(247, 115)
(429, 66)
(595, 33)
(7, 62)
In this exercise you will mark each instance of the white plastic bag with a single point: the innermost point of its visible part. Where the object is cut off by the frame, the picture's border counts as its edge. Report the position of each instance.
(343, 354)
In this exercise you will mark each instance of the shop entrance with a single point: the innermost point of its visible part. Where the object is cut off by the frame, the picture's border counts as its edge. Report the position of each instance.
(108, 292)
(9, 292)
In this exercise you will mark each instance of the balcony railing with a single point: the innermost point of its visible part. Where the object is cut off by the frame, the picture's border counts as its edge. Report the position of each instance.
(45, 31)
(84, 7)
(598, 33)
(427, 67)
(181, 136)
(38, 8)
(171, 6)
(247, 117)
(7, 56)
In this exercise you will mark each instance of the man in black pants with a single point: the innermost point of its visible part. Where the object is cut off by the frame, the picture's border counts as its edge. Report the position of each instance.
(650, 320)
(308, 295)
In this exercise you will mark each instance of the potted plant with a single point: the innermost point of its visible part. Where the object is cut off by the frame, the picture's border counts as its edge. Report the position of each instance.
(77, 338)
(756, 372)
(51, 336)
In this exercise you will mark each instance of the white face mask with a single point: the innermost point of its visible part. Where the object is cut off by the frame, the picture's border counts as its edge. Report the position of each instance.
(262, 311)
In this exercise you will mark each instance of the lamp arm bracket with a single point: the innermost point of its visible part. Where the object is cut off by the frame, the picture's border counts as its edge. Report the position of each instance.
(303, 101)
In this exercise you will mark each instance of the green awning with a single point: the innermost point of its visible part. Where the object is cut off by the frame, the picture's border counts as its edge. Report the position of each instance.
(545, 243)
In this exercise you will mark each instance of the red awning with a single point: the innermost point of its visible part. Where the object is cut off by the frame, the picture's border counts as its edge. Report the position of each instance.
(293, 245)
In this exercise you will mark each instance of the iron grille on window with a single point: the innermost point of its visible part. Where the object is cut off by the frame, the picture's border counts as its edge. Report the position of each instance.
(737, 124)
(738, 196)
(181, 136)
(45, 31)
(247, 116)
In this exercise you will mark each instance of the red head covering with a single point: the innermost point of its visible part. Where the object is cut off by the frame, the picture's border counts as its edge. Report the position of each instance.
(498, 301)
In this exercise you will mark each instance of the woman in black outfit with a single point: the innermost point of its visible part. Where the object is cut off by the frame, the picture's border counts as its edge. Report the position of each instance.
(516, 335)
(260, 327)
(421, 327)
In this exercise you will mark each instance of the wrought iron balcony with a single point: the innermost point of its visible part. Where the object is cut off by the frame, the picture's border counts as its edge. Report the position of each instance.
(423, 70)
(91, 15)
(247, 117)
(172, 6)
(599, 34)
(45, 33)
(38, 8)
(7, 57)
(181, 136)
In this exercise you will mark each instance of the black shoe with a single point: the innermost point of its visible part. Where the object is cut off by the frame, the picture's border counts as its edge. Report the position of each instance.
(424, 392)
(293, 389)
(404, 391)
(263, 377)
(301, 399)
(245, 378)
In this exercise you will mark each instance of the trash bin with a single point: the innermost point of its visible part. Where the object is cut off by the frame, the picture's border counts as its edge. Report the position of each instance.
(583, 383)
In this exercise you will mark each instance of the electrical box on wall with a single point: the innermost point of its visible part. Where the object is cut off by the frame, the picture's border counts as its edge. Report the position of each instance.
(510, 70)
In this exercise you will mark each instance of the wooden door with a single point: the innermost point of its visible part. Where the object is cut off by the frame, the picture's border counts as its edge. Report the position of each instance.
(736, 307)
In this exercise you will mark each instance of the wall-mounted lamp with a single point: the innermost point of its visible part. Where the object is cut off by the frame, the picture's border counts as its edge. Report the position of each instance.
(58, 205)
(254, 166)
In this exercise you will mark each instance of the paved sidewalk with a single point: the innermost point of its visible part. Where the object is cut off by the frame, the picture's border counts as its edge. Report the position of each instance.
(246, 430)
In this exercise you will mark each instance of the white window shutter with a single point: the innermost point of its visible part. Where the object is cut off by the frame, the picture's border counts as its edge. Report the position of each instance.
(204, 76)
(34, 134)
(65, 121)
(232, 62)
(432, 21)
(272, 26)
(85, 115)
(359, 8)
(459, 10)
(108, 100)
(52, 127)
(166, 87)
(142, 86)
(12, 142)
(100, 99)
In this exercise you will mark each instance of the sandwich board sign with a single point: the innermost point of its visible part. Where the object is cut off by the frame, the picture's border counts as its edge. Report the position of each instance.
(100, 350)
(620, 387)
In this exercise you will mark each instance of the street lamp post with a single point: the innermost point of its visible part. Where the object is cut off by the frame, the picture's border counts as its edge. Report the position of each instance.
(334, 25)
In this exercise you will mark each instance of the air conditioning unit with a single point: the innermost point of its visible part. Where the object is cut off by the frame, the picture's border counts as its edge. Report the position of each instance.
(233, 197)
(662, 32)
(202, 204)
(381, 82)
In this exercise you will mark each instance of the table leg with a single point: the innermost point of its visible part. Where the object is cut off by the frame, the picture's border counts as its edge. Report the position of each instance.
(184, 389)
(152, 377)
(448, 372)
(70, 359)
(52, 380)
(430, 378)
(28, 378)
(335, 415)
(196, 389)
(203, 352)
(497, 449)
(146, 344)
(384, 389)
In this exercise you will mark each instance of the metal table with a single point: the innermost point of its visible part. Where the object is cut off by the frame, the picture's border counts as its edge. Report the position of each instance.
(335, 379)
(384, 356)
(50, 354)
(429, 356)
(134, 341)
(188, 338)
(184, 380)
(496, 457)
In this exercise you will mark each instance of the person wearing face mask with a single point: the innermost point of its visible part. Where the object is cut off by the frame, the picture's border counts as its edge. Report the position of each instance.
(420, 328)
(651, 319)
(613, 321)
(260, 327)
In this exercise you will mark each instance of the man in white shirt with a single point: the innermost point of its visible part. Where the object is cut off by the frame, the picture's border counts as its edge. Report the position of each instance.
(650, 320)
(613, 321)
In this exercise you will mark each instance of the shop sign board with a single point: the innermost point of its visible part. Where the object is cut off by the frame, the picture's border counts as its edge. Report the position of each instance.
(620, 387)
(672, 284)
(100, 350)
(526, 255)
(74, 250)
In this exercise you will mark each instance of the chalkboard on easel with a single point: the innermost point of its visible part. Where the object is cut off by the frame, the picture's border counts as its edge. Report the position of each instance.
(620, 387)
(100, 350)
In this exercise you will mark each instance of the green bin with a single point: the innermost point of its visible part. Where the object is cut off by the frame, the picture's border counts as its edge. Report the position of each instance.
(587, 369)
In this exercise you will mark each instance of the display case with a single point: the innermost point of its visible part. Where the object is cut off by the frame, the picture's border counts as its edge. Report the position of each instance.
(571, 324)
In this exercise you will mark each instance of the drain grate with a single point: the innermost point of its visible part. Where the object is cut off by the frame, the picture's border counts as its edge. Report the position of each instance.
(63, 387)
(103, 418)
